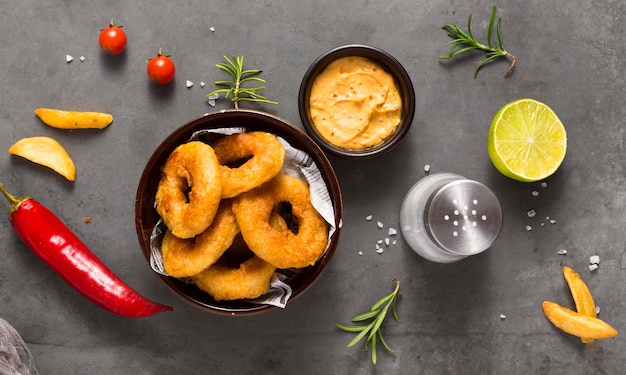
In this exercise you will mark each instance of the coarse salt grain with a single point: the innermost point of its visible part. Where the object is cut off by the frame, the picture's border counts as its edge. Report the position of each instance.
(379, 251)
(562, 252)
(529, 228)
(427, 168)
(380, 225)
(393, 231)
(212, 29)
(535, 193)
(368, 217)
(202, 84)
(502, 316)
(360, 253)
(82, 58)
(531, 213)
(593, 267)
(69, 58)
(189, 84)
(544, 184)
(594, 259)
(212, 100)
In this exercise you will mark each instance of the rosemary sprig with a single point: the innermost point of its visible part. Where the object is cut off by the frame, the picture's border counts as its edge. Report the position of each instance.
(235, 91)
(464, 41)
(372, 331)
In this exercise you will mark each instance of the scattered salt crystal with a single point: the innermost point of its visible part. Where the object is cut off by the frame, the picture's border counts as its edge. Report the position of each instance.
(594, 259)
(82, 58)
(552, 221)
(387, 241)
(392, 231)
(535, 193)
(502, 316)
(593, 267)
(379, 251)
(360, 253)
(212, 29)
(529, 228)
(531, 213)
(69, 58)
(544, 184)
(562, 252)
(597, 310)
(379, 224)
(189, 84)
(380, 242)
(394, 242)
(212, 99)
(202, 84)
(368, 217)
(427, 168)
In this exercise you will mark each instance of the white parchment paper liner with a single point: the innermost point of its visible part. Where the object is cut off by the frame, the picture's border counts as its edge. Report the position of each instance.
(298, 164)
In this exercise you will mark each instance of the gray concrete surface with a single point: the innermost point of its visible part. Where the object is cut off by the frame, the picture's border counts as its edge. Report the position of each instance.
(570, 55)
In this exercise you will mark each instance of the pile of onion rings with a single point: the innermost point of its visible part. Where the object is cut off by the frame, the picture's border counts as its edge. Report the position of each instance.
(232, 218)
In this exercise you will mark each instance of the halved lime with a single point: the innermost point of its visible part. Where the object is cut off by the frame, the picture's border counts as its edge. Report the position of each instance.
(527, 141)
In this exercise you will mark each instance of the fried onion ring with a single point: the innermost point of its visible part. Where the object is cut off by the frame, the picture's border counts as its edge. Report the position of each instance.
(250, 280)
(263, 155)
(191, 167)
(281, 248)
(189, 257)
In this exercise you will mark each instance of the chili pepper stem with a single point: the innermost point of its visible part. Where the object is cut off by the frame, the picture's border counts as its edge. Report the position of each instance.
(13, 200)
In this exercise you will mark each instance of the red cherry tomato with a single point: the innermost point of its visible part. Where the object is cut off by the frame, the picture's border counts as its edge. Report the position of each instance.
(161, 69)
(112, 39)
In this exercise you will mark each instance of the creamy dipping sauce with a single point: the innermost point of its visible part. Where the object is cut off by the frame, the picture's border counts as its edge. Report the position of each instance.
(355, 103)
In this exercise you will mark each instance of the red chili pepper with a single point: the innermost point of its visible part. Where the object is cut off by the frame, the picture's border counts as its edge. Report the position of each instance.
(68, 256)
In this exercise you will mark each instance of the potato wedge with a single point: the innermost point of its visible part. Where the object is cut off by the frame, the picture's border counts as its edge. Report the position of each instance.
(73, 120)
(577, 324)
(581, 295)
(47, 152)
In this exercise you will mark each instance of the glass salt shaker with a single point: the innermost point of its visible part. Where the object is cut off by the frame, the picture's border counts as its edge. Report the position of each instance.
(446, 217)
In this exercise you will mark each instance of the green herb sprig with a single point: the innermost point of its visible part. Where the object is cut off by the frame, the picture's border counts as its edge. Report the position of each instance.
(372, 331)
(464, 41)
(235, 91)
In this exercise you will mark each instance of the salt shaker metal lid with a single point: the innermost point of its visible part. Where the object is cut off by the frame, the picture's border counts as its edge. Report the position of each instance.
(463, 217)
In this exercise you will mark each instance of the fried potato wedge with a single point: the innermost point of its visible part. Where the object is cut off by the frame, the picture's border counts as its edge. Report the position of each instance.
(47, 152)
(581, 295)
(74, 120)
(577, 324)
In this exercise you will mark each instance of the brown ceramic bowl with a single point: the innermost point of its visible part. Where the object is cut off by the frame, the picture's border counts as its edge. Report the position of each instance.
(392, 66)
(146, 216)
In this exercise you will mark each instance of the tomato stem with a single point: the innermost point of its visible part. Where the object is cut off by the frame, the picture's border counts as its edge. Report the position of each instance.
(14, 201)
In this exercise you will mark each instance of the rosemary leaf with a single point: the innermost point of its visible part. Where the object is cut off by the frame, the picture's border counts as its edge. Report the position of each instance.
(358, 338)
(382, 341)
(366, 315)
(350, 328)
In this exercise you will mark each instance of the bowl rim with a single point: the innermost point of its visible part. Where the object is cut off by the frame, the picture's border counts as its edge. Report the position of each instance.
(144, 204)
(391, 65)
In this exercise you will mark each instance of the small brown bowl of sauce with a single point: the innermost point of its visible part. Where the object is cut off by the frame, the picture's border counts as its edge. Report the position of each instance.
(356, 101)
